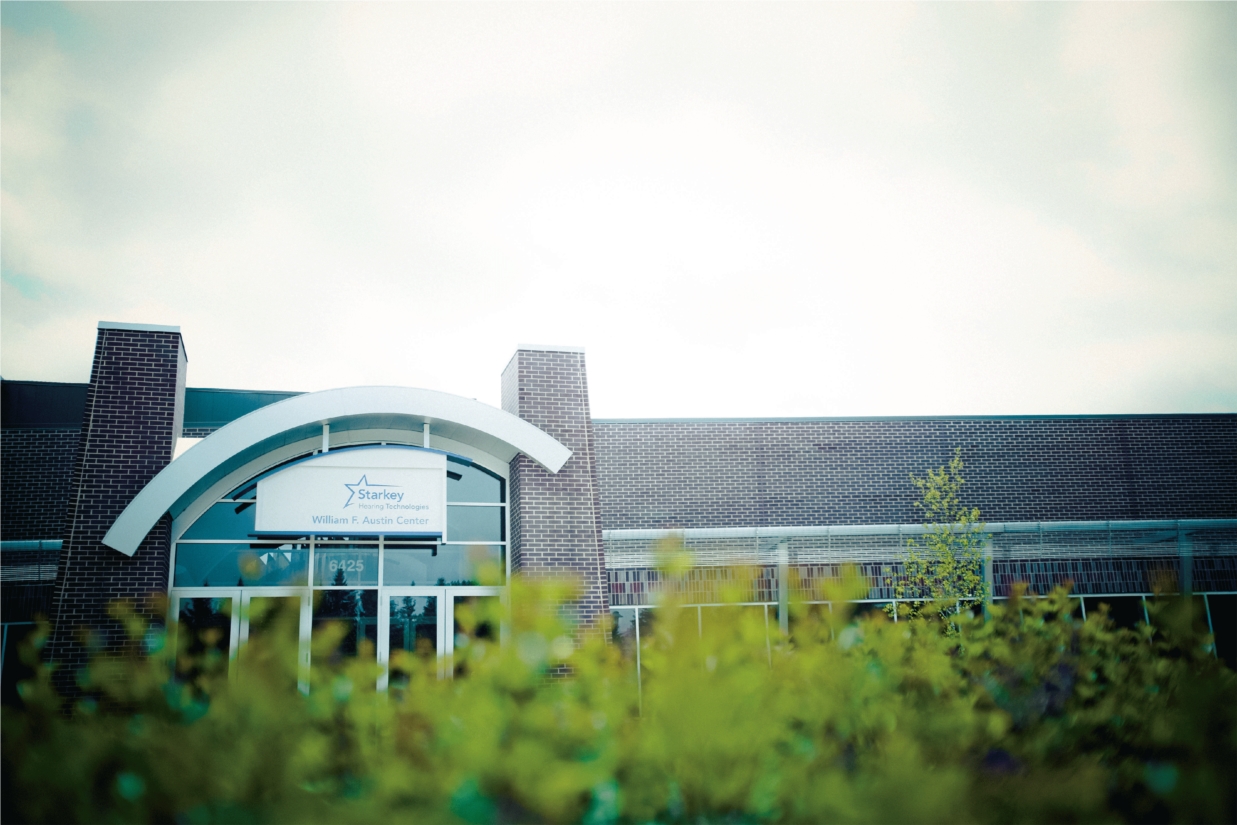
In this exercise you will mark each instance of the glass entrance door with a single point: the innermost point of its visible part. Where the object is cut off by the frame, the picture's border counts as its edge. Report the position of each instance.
(273, 634)
(415, 632)
(207, 632)
(236, 631)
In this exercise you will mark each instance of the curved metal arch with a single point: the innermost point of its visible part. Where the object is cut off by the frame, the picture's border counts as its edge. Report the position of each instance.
(490, 429)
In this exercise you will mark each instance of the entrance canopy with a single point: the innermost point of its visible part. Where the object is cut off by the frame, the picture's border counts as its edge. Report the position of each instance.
(462, 420)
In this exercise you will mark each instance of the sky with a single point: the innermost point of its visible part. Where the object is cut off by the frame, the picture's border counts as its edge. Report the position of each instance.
(738, 210)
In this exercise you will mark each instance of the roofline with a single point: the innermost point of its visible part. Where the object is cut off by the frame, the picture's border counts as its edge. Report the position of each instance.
(138, 327)
(46, 383)
(871, 418)
(792, 531)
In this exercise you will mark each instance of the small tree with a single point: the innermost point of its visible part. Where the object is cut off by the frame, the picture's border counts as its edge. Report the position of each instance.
(945, 566)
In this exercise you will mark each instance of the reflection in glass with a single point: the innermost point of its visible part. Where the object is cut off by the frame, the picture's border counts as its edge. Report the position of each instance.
(225, 520)
(474, 523)
(1124, 611)
(203, 637)
(413, 634)
(244, 565)
(476, 620)
(1202, 624)
(15, 671)
(868, 610)
(646, 617)
(274, 633)
(413, 565)
(623, 633)
(1224, 623)
(338, 565)
(809, 622)
(472, 483)
(357, 611)
(749, 622)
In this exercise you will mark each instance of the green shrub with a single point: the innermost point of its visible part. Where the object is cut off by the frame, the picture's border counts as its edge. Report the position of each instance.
(1029, 714)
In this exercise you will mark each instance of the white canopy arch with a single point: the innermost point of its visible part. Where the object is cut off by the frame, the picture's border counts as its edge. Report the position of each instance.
(464, 420)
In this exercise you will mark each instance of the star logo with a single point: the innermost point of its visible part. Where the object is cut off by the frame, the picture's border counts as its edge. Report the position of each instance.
(353, 489)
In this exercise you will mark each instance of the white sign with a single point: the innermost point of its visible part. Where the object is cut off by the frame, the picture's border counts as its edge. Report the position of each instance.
(391, 490)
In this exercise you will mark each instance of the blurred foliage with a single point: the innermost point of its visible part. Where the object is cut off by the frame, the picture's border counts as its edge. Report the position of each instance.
(944, 567)
(1027, 714)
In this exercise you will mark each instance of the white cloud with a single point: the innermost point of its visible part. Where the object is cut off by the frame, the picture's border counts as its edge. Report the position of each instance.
(739, 210)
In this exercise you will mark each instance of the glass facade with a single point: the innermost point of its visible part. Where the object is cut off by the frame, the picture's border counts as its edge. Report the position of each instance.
(376, 597)
(231, 564)
(398, 600)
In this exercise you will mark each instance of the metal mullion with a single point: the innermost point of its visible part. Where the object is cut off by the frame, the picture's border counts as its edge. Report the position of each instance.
(243, 628)
(234, 638)
(768, 640)
(384, 640)
(172, 567)
(1210, 628)
(446, 611)
(239, 541)
(475, 589)
(304, 637)
(639, 676)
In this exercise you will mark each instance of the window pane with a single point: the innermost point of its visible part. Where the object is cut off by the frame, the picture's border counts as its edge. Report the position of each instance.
(646, 617)
(203, 637)
(244, 565)
(475, 524)
(472, 483)
(224, 520)
(1224, 623)
(409, 566)
(809, 623)
(1124, 611)
(868, 610)
(343, 564)
(413, 634)
(475, 626)
(274, 638)
(15, 670)
(357, 612)
(749, 623)
(623, 635)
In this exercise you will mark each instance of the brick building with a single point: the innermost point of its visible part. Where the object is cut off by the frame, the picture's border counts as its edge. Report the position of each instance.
(135, 484)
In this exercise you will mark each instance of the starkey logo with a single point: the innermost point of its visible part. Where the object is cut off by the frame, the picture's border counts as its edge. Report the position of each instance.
(365, 492)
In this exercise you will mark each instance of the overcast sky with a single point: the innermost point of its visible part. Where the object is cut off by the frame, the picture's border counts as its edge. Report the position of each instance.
(738, 210)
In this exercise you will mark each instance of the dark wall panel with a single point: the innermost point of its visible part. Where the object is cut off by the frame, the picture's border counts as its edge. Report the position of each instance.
(752, 473)
(35, 469)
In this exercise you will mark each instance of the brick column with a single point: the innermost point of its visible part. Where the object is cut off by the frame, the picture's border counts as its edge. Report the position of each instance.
(134, 412)
(556, 518)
